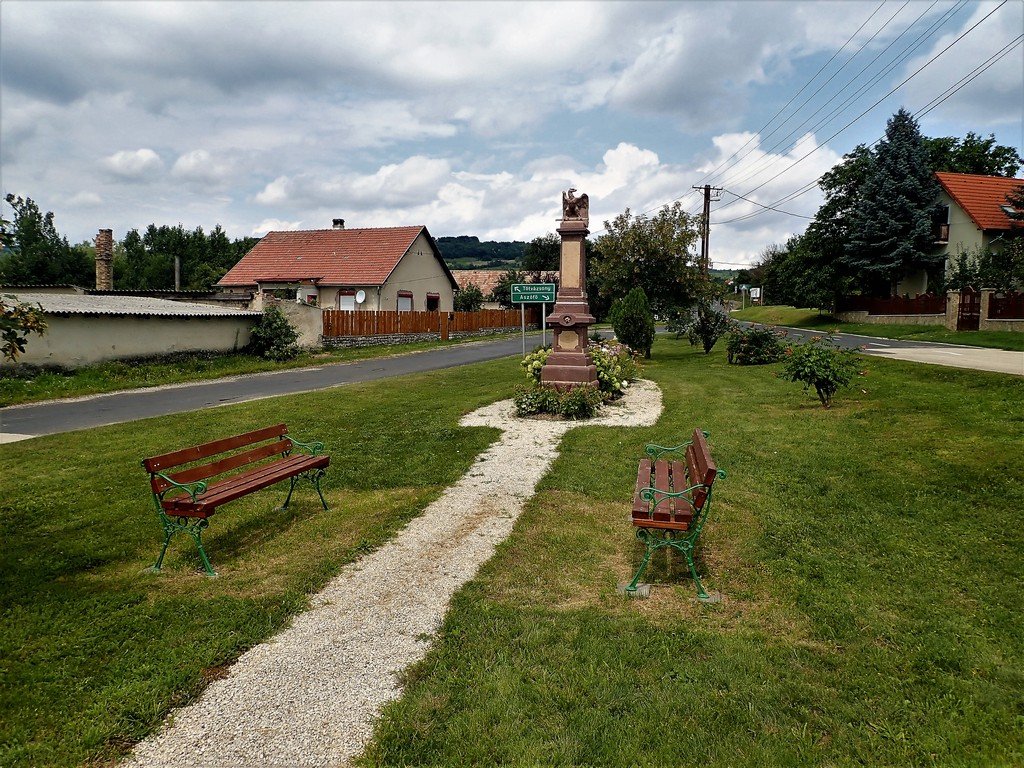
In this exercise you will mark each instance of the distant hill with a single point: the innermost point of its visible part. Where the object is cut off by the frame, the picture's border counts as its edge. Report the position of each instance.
(467, 252)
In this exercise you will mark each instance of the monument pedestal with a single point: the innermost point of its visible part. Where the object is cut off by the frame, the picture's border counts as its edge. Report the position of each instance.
(568, 365)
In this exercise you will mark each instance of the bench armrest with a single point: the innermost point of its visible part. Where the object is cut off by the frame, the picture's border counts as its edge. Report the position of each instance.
(192, 489)
(657, 451)
(314, 448)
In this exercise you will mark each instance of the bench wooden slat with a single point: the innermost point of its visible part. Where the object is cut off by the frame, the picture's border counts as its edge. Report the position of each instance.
(643, 480)
(242, 484)
(661, 506)
(221, 466)
(682, 509)
(206, 450)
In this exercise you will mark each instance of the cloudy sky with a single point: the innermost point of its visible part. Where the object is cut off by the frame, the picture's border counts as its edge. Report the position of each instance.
(471, 118)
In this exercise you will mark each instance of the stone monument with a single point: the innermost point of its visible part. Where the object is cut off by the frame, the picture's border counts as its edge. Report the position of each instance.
(568, 365)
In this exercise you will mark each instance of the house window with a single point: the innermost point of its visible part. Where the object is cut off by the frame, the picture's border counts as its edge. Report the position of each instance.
(433, 302)
(405, 301)
(940, 224)
(347, 300)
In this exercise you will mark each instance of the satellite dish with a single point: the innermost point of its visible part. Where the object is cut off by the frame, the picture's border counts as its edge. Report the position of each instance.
(360, 297)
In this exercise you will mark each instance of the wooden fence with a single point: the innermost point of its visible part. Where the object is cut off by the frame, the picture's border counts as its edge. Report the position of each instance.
(1006, 306)
(339, 322)
(926, 304)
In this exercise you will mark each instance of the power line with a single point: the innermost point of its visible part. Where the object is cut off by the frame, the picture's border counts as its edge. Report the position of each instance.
(767, 207)
(932, 104)
(897, 60)
(879, 101)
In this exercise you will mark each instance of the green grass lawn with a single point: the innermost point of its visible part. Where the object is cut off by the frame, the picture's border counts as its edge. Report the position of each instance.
(871, 567)
(814, 319)
(94, 652)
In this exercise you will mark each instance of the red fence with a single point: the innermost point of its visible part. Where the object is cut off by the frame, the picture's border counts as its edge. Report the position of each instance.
(345, 323)
(926, 304)
(1006, 306)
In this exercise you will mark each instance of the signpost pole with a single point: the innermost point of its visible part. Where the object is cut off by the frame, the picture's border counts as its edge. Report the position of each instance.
(522, 315)
(543, 324)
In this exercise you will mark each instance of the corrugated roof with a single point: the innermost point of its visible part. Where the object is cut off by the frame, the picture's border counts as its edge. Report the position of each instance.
(140, 306)
(981, 197)
(327, 256)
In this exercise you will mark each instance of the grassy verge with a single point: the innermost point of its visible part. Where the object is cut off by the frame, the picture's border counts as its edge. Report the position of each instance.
(870, 556)
(94, 652)
(813, 319)
(29, 385)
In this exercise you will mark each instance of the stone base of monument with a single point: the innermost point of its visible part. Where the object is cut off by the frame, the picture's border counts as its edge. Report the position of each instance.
(564, 370)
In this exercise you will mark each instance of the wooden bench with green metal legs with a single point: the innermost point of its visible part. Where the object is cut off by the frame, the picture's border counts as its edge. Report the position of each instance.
(210, 475)
(672, 501)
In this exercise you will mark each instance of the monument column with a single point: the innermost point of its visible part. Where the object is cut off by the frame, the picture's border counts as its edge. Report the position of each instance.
(568, 365)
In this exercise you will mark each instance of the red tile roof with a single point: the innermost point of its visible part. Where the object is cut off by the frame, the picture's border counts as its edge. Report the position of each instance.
(484, 279)
(981, 197)
(327, 256)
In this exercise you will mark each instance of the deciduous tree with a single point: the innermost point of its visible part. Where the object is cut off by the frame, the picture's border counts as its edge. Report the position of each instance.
(649, 253)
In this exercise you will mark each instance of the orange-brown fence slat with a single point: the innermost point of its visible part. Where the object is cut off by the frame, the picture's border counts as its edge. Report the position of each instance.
(362, 323)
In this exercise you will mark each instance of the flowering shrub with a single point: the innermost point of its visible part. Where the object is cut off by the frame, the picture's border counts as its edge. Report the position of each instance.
(820, 364)
(617, 366)
(534, 361)
(757, 345)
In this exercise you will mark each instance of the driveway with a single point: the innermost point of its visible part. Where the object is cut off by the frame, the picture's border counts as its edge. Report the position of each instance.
(933, 353)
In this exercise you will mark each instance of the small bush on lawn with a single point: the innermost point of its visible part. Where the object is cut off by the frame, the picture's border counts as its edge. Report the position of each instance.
(633, 322)
(754, 346)
(819, 363)
(707, 327)
(273, 337)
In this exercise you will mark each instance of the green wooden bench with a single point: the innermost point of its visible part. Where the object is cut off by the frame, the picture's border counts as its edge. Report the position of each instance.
(672, 501)
(210, 475)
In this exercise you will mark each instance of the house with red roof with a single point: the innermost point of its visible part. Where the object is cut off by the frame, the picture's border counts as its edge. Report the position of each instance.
(386, 268)
(974, 213)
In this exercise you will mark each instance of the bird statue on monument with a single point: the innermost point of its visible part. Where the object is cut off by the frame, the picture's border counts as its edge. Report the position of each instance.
(575, 208)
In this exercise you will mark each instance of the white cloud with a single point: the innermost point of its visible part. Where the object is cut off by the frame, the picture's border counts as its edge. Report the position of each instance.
(274, 225)
(134, 165)
(200, 167)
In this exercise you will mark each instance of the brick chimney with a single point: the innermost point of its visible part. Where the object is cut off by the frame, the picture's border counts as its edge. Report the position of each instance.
(339, 223)
(105, 260)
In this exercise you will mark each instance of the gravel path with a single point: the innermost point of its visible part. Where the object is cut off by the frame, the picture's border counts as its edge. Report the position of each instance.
(309, 696)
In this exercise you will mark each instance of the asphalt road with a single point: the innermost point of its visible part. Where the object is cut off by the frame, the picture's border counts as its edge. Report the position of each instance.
(18, 422)
(116, 407)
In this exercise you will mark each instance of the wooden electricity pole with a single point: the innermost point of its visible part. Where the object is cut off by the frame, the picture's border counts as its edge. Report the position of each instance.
(705, 225)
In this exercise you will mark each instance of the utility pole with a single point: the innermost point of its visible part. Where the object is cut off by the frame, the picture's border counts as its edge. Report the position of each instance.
(705, 225)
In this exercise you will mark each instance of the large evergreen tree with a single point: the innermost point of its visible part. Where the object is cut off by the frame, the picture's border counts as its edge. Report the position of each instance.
(891, 223)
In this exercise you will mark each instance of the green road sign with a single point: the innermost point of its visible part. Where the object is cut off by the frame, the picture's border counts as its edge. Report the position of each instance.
(533, 293)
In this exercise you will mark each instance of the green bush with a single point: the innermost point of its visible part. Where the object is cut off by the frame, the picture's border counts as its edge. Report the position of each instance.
(819, 363)
(757, 345)
(273, 337)
(534, 361)
(633, 322)
(616, 365)
(580, 402)
(468, 299)
(531, 400)
(707, 327)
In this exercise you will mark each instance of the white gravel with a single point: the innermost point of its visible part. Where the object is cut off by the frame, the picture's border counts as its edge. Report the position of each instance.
(309, 696)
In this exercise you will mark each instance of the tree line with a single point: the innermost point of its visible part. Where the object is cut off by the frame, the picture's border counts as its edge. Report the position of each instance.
(33, 252)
